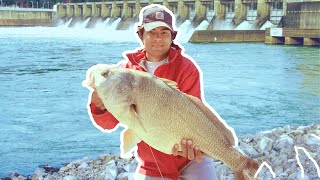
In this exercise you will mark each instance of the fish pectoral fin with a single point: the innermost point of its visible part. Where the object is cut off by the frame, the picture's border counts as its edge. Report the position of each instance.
(170, 83)
(134, 115)
(129, 141)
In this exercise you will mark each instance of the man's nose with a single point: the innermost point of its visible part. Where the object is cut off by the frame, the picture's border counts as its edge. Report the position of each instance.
(157, 37)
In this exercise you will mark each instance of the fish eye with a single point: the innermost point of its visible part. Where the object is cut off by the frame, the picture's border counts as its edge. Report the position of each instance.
(105, 73)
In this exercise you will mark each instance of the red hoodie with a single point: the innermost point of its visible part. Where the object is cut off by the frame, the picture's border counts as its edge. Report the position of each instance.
(186, 75)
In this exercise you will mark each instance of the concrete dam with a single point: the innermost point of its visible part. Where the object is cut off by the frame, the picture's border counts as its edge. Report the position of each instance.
(298, 20)
(211, 15)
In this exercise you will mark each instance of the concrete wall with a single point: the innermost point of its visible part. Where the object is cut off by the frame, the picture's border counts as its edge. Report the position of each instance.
(26, 18)
(304, 15)
(293, 36)
(228, 36)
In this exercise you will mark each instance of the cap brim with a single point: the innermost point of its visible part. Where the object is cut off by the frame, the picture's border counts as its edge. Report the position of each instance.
(155, 24)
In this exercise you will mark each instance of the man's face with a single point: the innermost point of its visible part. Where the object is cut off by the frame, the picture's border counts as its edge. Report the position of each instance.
(157, 43)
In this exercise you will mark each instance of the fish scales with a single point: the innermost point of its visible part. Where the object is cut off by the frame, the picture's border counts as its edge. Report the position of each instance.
(161, 116)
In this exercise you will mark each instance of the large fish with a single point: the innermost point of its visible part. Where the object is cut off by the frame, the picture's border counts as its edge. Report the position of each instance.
(155, 111)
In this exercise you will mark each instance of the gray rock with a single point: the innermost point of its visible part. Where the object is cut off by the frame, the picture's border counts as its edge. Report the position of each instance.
(71, 166)
(250, 151)
(283, 142)
(260, 135)
(283, 175)
(247, 139)
(278, 170)
(110, 172)
(265, 144)
(70, 178)
(222, 170)
(287, 128)
(273, 146)
(123, 176)
(83, 165)
(97, 162)
(311, 140)
(64, 169)
(216, 164)
(133, 165)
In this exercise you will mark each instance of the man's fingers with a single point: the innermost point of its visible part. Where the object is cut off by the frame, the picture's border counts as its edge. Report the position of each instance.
(190, 150)
(97, 101)
(175, 149)
(184, 148)
(198, 154)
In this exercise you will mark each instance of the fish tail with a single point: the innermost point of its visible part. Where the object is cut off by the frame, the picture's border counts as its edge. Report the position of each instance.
(248, 171)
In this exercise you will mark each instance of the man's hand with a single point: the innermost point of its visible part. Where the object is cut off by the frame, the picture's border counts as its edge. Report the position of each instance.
(188, 150)
(97, 101)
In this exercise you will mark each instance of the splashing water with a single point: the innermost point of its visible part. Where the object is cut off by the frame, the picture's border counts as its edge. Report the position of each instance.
(245, 25)
(103, 31)
(203, 25)
(268, 24)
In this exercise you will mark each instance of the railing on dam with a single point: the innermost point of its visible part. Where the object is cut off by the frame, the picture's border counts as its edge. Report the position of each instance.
(26, 9)
(15, 16)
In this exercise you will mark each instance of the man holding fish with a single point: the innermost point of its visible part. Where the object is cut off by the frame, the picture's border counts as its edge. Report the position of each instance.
(160, 56)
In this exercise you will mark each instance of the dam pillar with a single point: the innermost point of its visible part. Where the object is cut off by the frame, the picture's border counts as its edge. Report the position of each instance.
(200, 11)
(311, 41)
(70, 11)
(94, 10)
(77, 11)
(126, 17)
(115, 12)
(61, 11)
(126, 11)
(150, 2)
(263, 12)
(284, 6)
(104, 10)
(137, 9)
(240, 12)
(86, 12)
(293, 40)
(219, 10)
(166, 4)
(182, 12)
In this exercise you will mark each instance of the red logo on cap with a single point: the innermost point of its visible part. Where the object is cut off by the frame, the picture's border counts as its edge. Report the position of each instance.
(160, 15)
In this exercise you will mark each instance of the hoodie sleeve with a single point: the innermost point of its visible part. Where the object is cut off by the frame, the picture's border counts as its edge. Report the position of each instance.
(103, 118)
(190, 83)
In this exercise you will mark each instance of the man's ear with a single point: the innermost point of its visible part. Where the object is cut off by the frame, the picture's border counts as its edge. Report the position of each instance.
(173, 35)
(140, 32)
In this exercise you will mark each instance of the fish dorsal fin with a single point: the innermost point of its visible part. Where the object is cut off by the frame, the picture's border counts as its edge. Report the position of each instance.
(129, 141)
(213, 117)
(170, 83)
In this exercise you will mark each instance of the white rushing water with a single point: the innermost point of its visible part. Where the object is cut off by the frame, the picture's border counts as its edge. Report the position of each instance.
(103, 30)
(246, 25)
(203, 25)
(267, 24)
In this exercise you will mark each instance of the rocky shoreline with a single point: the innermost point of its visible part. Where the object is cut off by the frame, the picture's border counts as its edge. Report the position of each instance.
(280, 148)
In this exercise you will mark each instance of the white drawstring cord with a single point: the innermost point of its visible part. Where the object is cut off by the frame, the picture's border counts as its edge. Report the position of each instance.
(156, 162)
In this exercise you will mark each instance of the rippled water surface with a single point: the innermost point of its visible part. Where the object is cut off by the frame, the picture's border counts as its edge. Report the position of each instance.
(44, 118)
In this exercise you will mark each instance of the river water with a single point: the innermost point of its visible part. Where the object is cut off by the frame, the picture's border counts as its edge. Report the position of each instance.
(43, 115)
